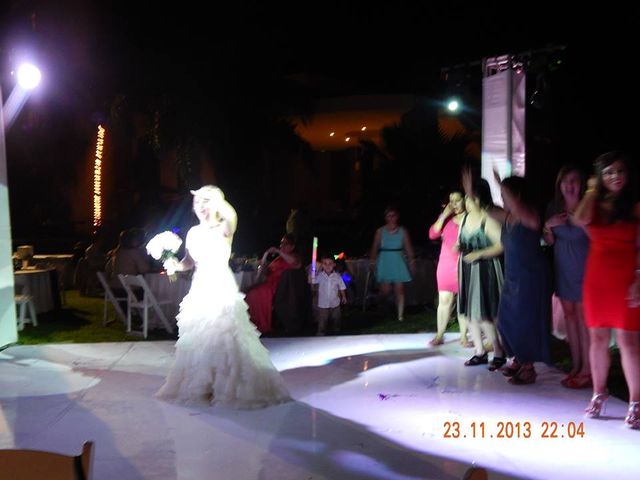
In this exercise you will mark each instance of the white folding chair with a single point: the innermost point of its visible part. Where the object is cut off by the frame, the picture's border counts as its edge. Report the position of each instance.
(110, 297)
(24, 302)
(129, 282)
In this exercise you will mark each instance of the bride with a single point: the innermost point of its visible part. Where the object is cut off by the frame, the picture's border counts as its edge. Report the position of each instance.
(219, 357)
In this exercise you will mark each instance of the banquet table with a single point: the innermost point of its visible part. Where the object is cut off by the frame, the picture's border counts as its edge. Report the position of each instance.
(41, 284)
(422, 290)
(62, 262)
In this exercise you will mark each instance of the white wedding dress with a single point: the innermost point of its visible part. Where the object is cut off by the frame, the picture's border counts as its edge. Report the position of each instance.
(219, 357)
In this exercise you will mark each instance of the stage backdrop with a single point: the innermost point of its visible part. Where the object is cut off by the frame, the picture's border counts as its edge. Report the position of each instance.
(503, 141)
(8, 331)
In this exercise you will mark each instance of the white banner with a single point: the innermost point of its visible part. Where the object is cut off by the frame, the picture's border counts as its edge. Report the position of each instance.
(503, 127)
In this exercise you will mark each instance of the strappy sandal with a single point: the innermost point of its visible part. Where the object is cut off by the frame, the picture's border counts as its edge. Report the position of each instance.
(512, 369)
(496, 363)
(435, 341)
(477, 360)
(525, 376)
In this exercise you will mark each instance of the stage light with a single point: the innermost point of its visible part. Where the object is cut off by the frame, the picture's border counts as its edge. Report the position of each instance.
(453, 105)
(29, 76)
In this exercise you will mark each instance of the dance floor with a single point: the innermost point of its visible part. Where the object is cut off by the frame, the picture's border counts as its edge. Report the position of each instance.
(376, 406)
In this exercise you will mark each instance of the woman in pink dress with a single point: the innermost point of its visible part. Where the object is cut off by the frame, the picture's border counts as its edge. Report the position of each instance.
(446, 227)
(260, 297)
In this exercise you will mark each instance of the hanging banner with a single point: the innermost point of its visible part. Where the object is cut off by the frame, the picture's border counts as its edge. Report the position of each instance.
(503, 127)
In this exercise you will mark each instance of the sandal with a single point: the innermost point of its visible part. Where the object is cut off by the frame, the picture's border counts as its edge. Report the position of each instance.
(525, 376)
(496, 363)
(477, 360)
(597, 405)
(512, 369)
(435, 341)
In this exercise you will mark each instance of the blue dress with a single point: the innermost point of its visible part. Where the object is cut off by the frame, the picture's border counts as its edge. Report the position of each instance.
(569, 257)
(391, 266)
(524, 315)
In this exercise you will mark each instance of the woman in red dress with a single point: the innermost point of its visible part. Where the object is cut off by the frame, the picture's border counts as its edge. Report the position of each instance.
(260, 297)
(611, 290)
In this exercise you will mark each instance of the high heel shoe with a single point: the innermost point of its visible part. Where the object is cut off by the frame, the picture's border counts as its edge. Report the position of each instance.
(597, 405)
(632, 420)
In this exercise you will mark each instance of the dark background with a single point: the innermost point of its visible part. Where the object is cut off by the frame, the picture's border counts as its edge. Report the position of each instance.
(222, 82)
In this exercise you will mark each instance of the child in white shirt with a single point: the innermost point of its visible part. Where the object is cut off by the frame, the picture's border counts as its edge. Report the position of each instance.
(331, 293)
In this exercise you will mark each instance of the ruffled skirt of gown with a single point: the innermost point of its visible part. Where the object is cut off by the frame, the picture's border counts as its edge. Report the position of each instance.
(219, 356)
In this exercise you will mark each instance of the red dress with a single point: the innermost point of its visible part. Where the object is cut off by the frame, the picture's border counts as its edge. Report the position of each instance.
(609, 273)
(260, 297)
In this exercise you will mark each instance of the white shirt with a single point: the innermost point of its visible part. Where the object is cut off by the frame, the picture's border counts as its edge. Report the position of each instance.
(328, 289)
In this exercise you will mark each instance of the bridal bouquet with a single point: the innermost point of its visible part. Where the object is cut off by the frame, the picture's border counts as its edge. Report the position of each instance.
(163, 247)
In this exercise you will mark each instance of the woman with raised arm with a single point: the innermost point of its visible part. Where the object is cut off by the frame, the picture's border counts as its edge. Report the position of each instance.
(525, 306)
(219, 357)
(611, 212)
(446, 227)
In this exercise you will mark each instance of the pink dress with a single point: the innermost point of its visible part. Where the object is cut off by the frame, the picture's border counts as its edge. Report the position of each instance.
(447, 272)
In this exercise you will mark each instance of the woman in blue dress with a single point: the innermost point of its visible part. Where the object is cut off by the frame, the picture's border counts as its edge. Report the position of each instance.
(390, 244)
(524, 314)
(570, 248)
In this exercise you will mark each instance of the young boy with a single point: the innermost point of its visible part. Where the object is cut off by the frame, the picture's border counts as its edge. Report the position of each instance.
(331, 293)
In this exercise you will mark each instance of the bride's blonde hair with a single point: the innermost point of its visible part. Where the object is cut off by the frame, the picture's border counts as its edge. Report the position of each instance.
(209, 192)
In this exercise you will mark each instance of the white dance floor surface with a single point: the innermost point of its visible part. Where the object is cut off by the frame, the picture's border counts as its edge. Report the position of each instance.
(365, 407)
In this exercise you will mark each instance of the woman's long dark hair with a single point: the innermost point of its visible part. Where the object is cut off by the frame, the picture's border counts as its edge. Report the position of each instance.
(482, 191)
(623, 204)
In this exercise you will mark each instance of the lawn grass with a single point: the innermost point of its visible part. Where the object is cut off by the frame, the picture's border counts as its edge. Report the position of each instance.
(80, 321)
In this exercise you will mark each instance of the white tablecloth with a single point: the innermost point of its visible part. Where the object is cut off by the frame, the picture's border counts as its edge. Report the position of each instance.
(422, 290)
(63, 263)
(164, 289)
(38, 284)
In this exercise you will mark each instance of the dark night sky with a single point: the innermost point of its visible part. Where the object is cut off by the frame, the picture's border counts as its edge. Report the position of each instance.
(92, 52)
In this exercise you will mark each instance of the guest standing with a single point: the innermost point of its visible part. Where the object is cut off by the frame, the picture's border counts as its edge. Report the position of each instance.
(390, 244)
(524, 317)
(611, 292)
(260, 297)
(446, 227)
(570, 248)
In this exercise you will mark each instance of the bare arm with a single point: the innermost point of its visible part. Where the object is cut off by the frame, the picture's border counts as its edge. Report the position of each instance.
(228, 218)
(408, 248)
(583, 215)
(634, 290)
(436, 229)
(522, 213)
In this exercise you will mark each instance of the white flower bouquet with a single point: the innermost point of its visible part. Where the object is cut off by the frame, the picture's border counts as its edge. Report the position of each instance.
(163, 247)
